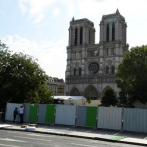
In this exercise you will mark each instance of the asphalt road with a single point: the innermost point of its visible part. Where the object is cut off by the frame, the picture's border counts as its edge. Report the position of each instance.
(30, 139)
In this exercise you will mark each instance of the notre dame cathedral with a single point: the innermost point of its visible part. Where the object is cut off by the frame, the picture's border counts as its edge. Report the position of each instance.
(91, 67)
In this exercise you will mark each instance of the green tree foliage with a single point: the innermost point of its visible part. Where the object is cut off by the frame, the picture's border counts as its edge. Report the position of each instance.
(122, 99)
(21, 79)
(132, 75)
(88, 100)
(109, 98)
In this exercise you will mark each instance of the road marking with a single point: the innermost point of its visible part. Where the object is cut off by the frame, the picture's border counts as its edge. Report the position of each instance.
(8, 145)
(32, 138)
(18, 133)
(39, 135)
(8, 139)
(26, 133)
(82, 145)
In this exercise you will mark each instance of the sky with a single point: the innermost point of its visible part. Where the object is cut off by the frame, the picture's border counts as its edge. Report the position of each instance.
(40, 27)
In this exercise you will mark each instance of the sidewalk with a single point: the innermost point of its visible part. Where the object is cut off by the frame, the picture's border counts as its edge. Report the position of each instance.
(82, 132)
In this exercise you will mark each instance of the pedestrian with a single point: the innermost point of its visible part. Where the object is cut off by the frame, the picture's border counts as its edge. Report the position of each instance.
(3, 116)
(15, 114)
(21, 111)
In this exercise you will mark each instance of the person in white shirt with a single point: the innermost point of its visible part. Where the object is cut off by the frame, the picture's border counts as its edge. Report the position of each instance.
(21, 111)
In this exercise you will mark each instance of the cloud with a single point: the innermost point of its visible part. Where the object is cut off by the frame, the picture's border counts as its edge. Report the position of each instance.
(51, 54)
(35, 8)
(55, 12)
(23, 8)
(38, 18)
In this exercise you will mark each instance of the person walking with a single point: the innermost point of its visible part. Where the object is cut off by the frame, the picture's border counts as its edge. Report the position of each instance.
(15, 114)
(21, 111)
(3, 116)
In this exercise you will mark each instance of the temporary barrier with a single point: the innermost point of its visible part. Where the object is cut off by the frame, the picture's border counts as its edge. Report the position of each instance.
(65, 114)
(26, 113)
(135, 120)
(9, 111)
(91, 116)
(50, 114)
(33, 113)
(81, 115)
(110, 118)
(42, 113)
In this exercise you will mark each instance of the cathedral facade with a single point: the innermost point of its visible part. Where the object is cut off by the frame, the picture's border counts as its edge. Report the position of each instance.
(91, 67)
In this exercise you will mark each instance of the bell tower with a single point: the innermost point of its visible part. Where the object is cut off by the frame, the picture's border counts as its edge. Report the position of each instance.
(81, 32)
(113, 28)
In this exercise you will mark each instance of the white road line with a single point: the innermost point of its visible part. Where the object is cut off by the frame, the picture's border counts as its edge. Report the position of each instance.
(31, 138)
(8, 145)
(8, 139)
(82, 145)
(18, 133)
(26, 133)
(39, 135)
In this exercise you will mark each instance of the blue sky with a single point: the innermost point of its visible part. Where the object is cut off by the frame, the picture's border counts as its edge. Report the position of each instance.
(40, 27)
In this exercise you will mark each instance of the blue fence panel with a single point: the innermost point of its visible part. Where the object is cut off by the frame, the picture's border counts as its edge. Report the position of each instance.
(135, 120)
(81, 116)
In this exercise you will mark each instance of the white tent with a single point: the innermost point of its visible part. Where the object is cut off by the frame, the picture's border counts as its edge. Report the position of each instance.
(71, 100)
(76, 100)
(70, 97)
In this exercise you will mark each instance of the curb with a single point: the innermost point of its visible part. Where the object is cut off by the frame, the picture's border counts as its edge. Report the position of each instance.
(85, 137)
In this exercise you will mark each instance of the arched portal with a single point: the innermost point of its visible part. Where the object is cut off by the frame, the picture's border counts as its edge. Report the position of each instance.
(75, 92)
(92, 90)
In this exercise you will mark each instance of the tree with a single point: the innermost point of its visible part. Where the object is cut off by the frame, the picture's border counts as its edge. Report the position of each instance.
(122, 99)
(88, 100)
(21, 79)
(132, 75)
(109, 98)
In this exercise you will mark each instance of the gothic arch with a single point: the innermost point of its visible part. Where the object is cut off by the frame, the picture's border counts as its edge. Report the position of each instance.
(92, 90)
(81, 36)
(89, 36)
(107, 33)
(106, 69)
(76, 37)
(75, 92)
(80, 71)
(112, 69)
(75, 71)
(113, 31)
(109, 63)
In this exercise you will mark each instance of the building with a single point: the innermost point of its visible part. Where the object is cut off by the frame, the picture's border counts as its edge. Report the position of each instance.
(91, 67)
(57, 86)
